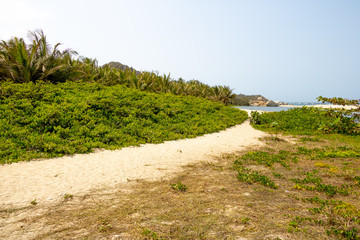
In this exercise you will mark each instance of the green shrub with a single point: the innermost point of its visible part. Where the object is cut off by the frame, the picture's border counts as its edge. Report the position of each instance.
(306, 121)
(45, 120)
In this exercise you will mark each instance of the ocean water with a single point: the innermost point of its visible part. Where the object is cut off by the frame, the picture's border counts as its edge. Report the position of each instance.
(304, 103)
(277, 109)
(265, 109)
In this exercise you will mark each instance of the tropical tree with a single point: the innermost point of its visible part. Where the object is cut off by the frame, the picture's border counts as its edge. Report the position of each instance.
(21, 62)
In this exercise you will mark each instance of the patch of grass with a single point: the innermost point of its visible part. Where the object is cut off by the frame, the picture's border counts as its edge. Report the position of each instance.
(152, 235)
(248, 176)
(68, 196)
(266, 158)
(104, 226)
(179, 186)
(278, 175)
(33, 202)
(245, 220)
(310, 201)
(342, 219)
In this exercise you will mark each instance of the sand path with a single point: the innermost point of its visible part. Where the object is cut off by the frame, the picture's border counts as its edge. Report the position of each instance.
(46, 180)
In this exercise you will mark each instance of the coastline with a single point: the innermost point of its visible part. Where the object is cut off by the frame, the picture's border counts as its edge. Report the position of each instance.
(326, 106)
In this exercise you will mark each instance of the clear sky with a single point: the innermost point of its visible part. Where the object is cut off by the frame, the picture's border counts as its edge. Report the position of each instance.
(285, 50)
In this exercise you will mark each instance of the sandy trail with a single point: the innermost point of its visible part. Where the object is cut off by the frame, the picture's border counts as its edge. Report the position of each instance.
(46, 180)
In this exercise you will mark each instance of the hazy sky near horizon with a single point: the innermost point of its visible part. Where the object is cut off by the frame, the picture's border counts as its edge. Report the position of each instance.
(285, 50)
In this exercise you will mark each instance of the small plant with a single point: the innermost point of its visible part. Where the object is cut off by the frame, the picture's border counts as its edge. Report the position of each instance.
(224, 189)
(68, 196)
(322, 165)
(104, 226)
(328, 189)
(349, 234)
(33, 202)
(179, 186)
(152, 235)
(245, 220)
(278, 175)
(357, 179)
(310, 178)
(255, 117)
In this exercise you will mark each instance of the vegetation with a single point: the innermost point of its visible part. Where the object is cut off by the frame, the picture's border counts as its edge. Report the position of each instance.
(179, 186)
(306, 187)
(37, 61)
(299, 190)
(307, 121)
(39, 120)
(53, 104)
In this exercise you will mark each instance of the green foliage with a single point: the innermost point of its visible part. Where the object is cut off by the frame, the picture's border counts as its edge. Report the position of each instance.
(45, 120)
(248, 176)
(68, 196)
(104, 226)
(33, 202)
(310, 178)
(245, 220)
(179, 186)
(255, 117)
(21, 62)
(329, 152)
(152, 235)
(343, 218)
(267, 159)
(307, 121)
(278, 175)
(328, 189)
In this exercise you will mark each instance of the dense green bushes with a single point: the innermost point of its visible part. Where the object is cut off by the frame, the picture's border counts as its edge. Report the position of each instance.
(306, 121)
(40, 120)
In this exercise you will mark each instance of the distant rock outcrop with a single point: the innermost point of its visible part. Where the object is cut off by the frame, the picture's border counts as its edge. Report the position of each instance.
(281, 103)
(271, 104)
(256, 100)
(247, 100)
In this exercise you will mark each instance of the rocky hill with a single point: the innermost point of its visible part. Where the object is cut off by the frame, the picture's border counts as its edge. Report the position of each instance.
(255, 100)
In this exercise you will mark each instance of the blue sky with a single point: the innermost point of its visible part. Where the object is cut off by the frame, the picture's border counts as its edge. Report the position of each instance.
(284, 50)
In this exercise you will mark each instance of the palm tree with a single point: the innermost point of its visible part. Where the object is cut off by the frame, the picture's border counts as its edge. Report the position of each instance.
(20, 62)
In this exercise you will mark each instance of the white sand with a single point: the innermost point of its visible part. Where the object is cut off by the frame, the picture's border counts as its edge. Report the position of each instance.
(45, 180)
(324, 106)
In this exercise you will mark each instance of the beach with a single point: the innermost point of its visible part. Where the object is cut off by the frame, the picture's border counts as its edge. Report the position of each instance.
(327, 106)
(49, 180)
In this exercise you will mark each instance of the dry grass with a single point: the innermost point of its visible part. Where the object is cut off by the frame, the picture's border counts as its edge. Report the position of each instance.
(214, 204)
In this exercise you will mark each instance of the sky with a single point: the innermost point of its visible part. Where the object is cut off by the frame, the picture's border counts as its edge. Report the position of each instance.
(285, 50)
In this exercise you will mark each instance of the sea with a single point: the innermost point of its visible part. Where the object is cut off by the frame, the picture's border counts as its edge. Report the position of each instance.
(277, 109)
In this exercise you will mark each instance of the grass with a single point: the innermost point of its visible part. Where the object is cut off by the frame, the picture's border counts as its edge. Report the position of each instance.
(298, 189)
(218, 204)
(46, 120)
